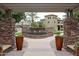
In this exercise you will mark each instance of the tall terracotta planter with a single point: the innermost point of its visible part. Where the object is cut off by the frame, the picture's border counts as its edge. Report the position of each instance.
(59, 42)
(19, 43)
(77, 52)
(1, 51)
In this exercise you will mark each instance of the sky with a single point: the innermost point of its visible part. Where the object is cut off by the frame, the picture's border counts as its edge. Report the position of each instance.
(42, 15)
(59, 14)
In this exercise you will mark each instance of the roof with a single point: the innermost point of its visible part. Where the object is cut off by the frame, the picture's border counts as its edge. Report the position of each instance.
(59, 20)
(51, 15)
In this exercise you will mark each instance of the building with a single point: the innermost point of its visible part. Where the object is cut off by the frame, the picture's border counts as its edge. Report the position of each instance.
(53, 22)
(60, 24)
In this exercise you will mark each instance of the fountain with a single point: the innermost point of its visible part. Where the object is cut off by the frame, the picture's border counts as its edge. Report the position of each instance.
(37, 31)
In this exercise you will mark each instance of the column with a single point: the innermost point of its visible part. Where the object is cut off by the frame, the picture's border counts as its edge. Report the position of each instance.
(69, 12)
(8, 12)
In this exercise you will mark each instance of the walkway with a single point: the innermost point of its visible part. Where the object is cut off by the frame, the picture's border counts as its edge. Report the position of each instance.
(39, 47)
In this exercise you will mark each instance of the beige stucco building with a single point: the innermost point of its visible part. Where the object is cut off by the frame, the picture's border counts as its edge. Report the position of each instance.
(53, 22)
(60, 24)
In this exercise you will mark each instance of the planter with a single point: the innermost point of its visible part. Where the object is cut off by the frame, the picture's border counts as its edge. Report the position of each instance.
(77, 52)
(19, 43)
(37, 31)
(1, 51)
(59, 42)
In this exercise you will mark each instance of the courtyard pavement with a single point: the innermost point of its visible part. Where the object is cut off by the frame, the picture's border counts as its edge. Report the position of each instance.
(39, 47)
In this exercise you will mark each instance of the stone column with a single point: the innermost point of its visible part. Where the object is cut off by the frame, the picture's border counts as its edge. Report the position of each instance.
(8, 13)
(69, 12)
(7, 29)
(71, 29)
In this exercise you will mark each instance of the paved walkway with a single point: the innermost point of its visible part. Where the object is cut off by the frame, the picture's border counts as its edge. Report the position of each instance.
(39, 47)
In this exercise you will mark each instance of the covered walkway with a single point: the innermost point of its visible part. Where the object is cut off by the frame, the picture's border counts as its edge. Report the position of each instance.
(39, 47)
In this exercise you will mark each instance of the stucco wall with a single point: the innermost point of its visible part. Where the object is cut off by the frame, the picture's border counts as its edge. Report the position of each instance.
(51, 23)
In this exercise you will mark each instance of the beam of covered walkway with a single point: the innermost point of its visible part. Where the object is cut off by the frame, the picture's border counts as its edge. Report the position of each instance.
(41, 7)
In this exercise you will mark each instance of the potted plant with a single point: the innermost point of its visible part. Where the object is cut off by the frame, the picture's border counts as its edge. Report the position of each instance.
(77, 48)
(1, 50)
(58, 40)
(18, 16)
(19, 40)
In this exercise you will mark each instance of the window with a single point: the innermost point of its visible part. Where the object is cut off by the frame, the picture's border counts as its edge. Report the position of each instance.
(52, 17)
(58, 22)
(61, 26)
(58, 27)
(49, 17)
(48, 21)
(54, 22)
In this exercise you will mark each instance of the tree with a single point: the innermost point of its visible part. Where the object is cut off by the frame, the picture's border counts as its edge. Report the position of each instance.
(76, 15)
(1, 13)
(32, 15)
(34, 25)
(41, 24)
(18, 16)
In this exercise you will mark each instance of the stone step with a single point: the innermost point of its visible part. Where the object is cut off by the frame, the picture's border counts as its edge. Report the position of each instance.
(71, 47)
(4, 47)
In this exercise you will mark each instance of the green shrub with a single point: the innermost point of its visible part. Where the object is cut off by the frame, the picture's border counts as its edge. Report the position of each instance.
(37, 25)
(76, 15)
(41, 25)
(34, 25)
(18, 34)
(76, 45)
(18, 16)
(1, 14)
(57, 33)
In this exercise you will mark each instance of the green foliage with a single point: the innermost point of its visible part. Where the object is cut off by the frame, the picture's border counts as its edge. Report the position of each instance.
(34, 25)
(58, 33)
(37, 25)
(76, 15)
(1, 13)
(18, 16)
(41, 25)
(76, 45)
(18, 34)
(32, 15)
